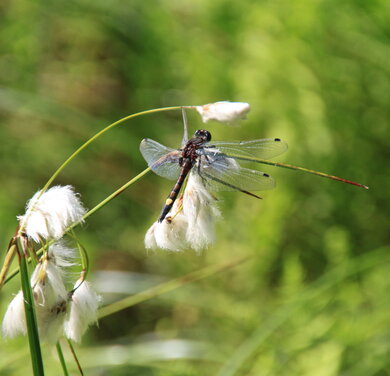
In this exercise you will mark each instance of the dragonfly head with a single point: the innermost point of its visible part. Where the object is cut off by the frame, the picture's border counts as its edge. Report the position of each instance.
(203, 134)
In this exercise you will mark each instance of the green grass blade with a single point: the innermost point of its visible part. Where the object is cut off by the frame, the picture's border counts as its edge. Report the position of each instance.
(31, 320)
(62, 359)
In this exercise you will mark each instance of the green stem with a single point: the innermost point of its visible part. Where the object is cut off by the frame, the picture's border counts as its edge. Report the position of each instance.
(88, 142)
(62, 359)
(83, 255)
(29, 307)
(97, 135)
(110, 197)
(90, 212)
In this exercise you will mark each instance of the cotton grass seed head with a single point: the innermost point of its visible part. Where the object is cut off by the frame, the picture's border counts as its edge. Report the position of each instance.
(223, 112)
(83, 310)
(170, 234)
(191, 222)
(50, 296)
(14, 322)
(199, 207)
(48, 215)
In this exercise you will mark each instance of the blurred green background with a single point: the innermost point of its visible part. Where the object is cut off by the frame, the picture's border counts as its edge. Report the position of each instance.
(314, 298)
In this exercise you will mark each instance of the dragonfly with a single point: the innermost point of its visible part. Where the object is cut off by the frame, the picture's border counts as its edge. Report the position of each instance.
(218, 164)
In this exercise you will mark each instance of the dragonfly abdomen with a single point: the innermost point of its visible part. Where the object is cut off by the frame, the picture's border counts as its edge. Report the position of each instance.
(185, 168)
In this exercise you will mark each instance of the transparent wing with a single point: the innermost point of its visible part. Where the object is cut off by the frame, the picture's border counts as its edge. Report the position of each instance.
(264, 148)
(162, 160)
(225, 174)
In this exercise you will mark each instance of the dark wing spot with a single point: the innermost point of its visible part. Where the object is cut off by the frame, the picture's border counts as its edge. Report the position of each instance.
(266, 175)
(277, 139)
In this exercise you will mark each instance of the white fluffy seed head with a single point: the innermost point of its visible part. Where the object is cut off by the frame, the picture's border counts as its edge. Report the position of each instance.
(83, 311)
(48, 285)
(170, 233)
(51, 320)
(224, 112)
(191, 222)
(50, 299)
(199, 207)
(50, 296)
(61, 255)
(48, 215)
(14, 322)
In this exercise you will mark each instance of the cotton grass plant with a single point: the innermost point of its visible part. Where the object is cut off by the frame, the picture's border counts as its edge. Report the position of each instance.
(54, 302)
(47, 307)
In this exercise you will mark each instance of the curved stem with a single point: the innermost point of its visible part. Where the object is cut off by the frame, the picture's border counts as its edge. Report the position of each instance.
(84, 262)
(97, 135)
(88, 142)
(82, 252)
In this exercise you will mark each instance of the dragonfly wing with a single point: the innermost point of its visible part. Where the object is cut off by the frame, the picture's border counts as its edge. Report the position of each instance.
(264, 148)
(162, 160)
(225, 174)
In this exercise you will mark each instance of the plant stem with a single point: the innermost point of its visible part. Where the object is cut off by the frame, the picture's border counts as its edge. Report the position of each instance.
(83, 255)
(110, 197)
(75, 357)
(85, 144)
(62, 359)
(29, 307)
(97, 135)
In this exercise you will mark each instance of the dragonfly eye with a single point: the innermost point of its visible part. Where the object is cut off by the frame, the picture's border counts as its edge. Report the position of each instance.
(206, 135)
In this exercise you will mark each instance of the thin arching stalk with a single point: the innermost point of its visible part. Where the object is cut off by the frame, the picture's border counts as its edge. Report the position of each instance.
(76, 359)
(86, 144)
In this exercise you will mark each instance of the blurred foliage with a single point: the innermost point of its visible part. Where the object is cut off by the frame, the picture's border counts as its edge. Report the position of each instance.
(314, 298)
